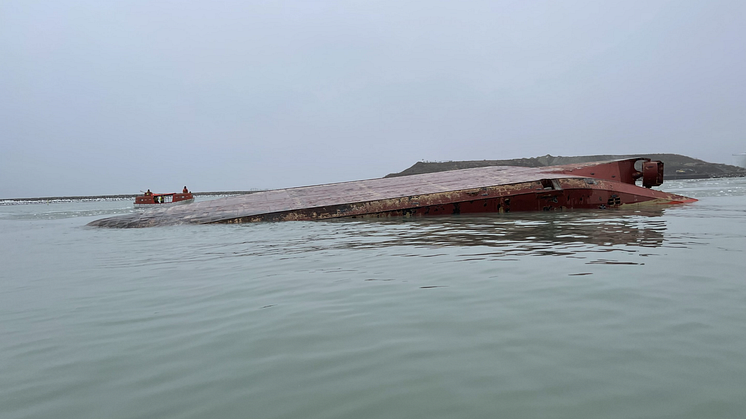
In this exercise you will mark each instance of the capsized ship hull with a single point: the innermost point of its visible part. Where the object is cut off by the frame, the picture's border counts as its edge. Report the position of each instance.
(495, 189)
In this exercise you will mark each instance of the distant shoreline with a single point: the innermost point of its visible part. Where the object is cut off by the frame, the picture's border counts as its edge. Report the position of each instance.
(120, 197)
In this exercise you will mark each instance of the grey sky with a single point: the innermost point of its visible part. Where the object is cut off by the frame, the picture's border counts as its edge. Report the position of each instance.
(108, 97)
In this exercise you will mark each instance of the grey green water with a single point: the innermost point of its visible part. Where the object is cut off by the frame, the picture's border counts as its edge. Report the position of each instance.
(584, 314)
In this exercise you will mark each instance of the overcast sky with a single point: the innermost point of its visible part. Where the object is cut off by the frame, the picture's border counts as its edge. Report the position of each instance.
(110, 97)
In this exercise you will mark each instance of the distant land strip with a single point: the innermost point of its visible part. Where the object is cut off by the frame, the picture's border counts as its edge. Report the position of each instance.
(675, 166)
(119, 197)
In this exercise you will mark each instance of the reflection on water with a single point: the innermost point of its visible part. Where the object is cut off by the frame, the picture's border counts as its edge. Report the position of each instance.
(490, 236)
(530, 232)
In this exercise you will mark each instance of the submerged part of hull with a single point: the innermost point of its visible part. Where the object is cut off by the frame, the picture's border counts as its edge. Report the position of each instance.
(493, 189)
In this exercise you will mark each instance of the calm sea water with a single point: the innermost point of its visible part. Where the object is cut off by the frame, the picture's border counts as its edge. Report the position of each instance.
(584, 314)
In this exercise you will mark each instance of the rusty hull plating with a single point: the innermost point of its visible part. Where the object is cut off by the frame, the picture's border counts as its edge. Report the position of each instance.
(496, 189)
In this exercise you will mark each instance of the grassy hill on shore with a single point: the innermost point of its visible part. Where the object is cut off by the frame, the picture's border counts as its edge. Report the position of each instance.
(675, 166)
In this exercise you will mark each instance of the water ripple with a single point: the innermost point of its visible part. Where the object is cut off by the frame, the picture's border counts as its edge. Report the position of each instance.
(610, 314)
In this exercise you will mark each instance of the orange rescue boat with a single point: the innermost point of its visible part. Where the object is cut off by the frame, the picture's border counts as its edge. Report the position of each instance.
(150, 200)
